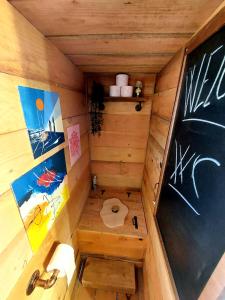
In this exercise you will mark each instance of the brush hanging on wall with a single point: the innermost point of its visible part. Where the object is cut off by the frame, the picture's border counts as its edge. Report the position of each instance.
(97, 106)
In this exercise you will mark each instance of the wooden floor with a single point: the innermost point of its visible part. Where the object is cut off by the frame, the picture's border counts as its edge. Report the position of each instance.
(81, 293)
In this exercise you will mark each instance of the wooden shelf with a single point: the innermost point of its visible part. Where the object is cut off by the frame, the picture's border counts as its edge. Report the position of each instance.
(124, 99)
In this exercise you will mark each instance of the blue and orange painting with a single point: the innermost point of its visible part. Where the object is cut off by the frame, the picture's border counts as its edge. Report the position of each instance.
(41, 194)
(43, 117)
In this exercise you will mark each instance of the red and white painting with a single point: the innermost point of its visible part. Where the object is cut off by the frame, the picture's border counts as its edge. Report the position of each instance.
(74, 143)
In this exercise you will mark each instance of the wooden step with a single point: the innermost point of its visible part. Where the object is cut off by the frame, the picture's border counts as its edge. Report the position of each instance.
(110, 275)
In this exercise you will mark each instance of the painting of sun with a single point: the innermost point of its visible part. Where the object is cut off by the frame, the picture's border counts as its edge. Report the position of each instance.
(42, 113)
(41, 194)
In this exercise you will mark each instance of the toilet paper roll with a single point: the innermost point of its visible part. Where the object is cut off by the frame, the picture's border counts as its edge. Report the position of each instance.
(121, 79)
(64, 261)
(126, 91)
(114, 91)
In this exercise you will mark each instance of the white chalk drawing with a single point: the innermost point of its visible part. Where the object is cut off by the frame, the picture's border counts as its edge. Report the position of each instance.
(193, 100)
(182, 160)
(195, 163)
(182, 196)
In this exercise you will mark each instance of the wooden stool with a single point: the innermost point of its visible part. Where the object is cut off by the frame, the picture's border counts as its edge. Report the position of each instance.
(109, 275)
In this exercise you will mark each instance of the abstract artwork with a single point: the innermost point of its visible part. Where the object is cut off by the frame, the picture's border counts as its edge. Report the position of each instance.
(42, 113)
(41, 194)
(74, 143)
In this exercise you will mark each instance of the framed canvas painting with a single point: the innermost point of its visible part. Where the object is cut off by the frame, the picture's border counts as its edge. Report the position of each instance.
(43, 118)
(41, 194)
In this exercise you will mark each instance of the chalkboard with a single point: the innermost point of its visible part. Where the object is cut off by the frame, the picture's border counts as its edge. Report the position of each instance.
(191, 209)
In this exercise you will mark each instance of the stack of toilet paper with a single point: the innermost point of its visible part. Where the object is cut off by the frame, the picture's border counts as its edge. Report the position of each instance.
(121, 89)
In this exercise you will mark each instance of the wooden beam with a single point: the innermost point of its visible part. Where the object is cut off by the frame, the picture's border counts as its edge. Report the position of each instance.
(131, 60)
(120, 69)
(120, 44)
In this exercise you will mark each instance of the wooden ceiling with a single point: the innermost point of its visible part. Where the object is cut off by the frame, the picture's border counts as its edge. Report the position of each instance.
(117, 35)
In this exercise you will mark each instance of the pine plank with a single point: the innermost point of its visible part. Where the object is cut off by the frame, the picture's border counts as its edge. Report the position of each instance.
(82, 120)
(159, 129)
(76, 171)
(118, 154)
(114, 168)
(121, 181)
(126, 44)
(32, 55)
(125, 108)
(72, 102)
(15, 251)
(163, 102)
(118, 174)
(137, 125)
(93, 17)
(154, 68)
(123, 140)
(169, 75)
(111, 245)
(109, 275)
(82, 293)
(123, 60)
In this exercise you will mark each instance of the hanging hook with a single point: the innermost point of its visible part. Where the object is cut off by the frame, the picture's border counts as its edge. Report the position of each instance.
(138, 107)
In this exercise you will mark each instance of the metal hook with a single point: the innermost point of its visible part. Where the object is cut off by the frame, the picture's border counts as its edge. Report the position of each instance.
(138, 107)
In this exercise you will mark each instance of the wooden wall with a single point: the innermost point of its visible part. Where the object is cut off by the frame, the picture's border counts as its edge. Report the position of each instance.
(28, 59)
(157, 282)
(118, 154)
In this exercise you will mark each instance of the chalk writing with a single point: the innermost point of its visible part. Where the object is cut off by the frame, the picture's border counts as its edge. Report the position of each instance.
(196, 80)
(182, 160)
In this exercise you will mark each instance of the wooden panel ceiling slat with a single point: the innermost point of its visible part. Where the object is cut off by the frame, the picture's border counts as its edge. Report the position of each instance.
(119, 29)
(120, 43)
(132, 60)
(119, 69)
(63, 17)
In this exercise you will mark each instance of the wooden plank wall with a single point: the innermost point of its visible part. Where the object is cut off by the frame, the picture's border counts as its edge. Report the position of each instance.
(157, 282)
(118, 154)
(28, 59)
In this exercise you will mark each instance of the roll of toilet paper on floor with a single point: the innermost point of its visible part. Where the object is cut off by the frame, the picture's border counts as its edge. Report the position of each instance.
(63, 260)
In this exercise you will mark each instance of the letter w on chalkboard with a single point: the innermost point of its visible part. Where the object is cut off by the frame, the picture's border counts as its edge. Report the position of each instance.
(182, 160)
(196, 80)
